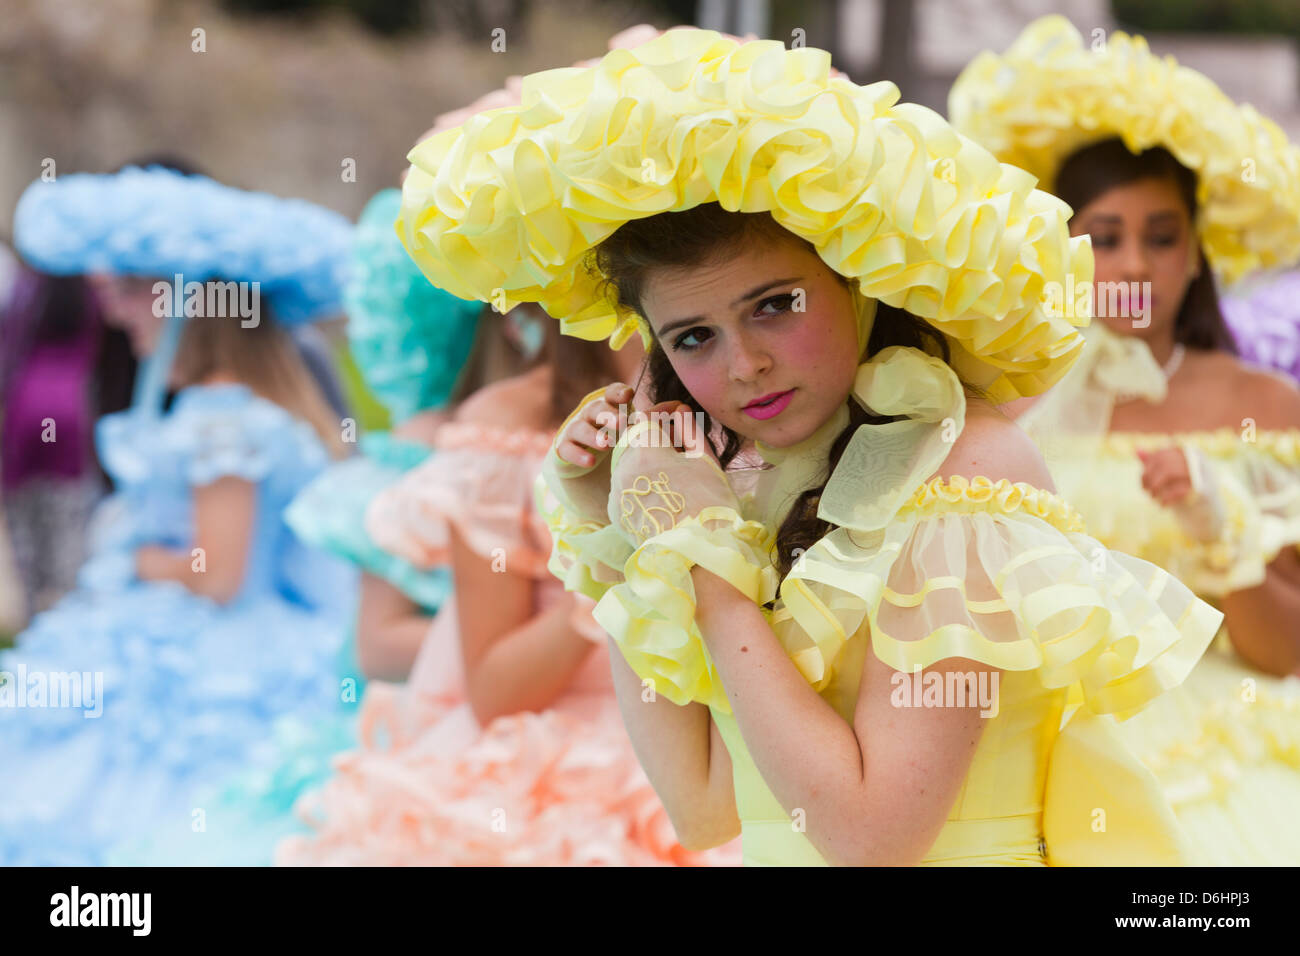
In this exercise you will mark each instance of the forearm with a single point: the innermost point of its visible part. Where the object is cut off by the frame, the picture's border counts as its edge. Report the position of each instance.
(156, 563)
(683, 757)
(528, 667)
(778, 713)
(386, 649)
(1264, 623)
(390, 629)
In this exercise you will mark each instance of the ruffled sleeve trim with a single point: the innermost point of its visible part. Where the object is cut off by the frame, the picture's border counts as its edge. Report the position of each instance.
(587, 553)
(651, 616)
(479, 481)
(1000, 573)
(212, 432)
(1280, 445)
(959, 495)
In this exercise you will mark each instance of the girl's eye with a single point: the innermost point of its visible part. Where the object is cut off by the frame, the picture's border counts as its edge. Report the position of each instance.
(781, 303)
(681, 343)
(1164, 242)
(1104, 242)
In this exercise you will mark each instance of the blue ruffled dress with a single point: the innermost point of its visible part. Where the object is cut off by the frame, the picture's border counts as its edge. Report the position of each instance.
(254, 808)
(164, 692)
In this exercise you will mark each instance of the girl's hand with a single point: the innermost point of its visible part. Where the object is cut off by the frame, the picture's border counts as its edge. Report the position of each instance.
(587, 437)
(655, 484)
(1167, 475)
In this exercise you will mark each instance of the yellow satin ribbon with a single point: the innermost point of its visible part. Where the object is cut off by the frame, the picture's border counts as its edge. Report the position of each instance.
(884, 464)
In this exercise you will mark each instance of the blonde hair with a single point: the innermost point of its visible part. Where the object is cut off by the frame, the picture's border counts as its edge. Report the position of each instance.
(263, 357)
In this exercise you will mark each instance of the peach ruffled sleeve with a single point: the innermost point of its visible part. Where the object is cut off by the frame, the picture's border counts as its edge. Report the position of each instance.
(481, 484)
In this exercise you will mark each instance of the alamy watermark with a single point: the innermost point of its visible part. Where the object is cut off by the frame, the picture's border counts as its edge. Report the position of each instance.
(1120, 300)
(613, 427)
(211, 299)
(946, 689)
(53, 689)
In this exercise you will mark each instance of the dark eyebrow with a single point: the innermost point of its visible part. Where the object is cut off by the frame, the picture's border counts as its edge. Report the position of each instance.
(1159, 216)
(751, 294)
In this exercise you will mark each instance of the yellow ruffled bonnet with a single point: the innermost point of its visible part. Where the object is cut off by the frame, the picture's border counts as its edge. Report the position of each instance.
(1050, 95)
(507, 207)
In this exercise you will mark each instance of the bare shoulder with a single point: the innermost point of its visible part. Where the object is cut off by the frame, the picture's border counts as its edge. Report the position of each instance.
(993, 446)
(423, 426)
(522, 401)
(1266, 396)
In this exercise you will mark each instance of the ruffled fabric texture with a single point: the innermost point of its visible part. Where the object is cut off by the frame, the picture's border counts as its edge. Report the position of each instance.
(888, 193)
(480, 483)
(159, 222)
(995, 572)
(1265, 322)
(1051, 94)
(1254, 474)
(1257, 476)
(252, 812)
(409, 339)
(427, 785)
(1225, 748)
(556, 788)
(190, 688)
(652, 614)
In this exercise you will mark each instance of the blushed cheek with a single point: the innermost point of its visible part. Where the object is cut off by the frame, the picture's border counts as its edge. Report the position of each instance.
(707, 384)
(822, 348)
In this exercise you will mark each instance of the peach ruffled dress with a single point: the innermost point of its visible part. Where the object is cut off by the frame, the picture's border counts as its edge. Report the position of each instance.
(429, 785)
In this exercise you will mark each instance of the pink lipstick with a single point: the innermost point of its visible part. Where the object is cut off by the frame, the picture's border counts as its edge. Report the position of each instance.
(769, 406)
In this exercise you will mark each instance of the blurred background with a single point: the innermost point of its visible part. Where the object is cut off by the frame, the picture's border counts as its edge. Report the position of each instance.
(321, 99)
(282, 94)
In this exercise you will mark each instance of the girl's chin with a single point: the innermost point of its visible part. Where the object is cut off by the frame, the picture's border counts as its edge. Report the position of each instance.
(1150, 329)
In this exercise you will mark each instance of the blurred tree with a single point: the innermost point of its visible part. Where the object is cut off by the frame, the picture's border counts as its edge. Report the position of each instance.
(1210, 16)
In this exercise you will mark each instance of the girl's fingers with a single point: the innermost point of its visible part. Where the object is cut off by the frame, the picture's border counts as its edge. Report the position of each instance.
(618, 393)
(586, 435)
(574, 454)
(1171, 489)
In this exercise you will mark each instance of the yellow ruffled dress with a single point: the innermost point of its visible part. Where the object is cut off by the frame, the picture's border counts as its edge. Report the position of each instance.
(1225, 745)
(997, 572)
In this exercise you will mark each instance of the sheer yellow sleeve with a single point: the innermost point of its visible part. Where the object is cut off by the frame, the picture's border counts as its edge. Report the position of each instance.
(587, 554)
(1003, 574)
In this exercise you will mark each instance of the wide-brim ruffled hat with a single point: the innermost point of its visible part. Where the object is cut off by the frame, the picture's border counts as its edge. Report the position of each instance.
(160, 223)
(507, 207)
(1050, 95)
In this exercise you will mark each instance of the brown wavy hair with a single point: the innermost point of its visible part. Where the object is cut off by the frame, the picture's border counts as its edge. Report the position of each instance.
(706, 234)
(1093, 170)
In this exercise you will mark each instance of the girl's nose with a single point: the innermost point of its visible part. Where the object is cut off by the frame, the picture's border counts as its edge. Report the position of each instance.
(1134, 266)
(748, 363)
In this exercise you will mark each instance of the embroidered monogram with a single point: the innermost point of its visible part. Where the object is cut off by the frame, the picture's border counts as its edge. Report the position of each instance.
(647, 520)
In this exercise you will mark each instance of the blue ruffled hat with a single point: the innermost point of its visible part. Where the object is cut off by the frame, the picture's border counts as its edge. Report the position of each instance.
(158, 222)
(409, 338)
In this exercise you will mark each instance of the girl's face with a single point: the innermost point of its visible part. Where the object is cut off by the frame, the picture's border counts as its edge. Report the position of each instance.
(1146, 255)
(128, 303)
(765, 340)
